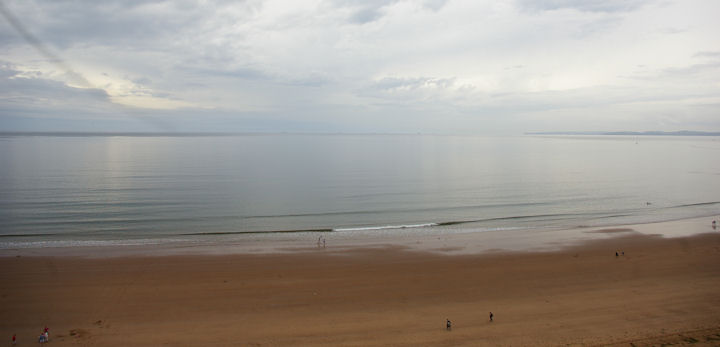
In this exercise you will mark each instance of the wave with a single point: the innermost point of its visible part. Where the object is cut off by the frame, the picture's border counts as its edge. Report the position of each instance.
(709, 203)
(557, 216)
(544, 217)
(130, 227)
(321, 230)
(385, 227)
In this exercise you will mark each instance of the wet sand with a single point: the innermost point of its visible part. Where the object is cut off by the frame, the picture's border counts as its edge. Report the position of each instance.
(662, 291)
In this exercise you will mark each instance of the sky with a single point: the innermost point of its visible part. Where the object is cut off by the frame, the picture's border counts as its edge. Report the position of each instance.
(360, 66)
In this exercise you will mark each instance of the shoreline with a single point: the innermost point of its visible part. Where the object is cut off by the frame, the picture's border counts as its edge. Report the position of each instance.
(436, 239)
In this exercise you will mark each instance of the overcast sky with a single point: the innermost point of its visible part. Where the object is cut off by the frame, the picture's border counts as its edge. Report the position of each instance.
(430, 66)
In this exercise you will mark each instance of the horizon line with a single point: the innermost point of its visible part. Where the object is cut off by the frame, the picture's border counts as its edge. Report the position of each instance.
(270, 133)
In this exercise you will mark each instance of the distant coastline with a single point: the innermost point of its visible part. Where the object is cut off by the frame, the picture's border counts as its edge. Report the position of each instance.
(629, 133)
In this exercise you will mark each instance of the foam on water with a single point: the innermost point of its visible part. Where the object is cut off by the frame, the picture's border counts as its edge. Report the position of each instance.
(385, 227)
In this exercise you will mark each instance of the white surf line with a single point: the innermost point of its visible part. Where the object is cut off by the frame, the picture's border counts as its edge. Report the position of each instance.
(384, 227)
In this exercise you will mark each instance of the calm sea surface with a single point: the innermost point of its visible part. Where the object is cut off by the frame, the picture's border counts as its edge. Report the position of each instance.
(67, 190)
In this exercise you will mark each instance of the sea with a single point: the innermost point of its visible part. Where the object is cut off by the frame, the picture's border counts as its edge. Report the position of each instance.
(69, 190)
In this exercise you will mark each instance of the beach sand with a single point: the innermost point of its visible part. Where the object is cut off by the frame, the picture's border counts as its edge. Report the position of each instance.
(662, 291)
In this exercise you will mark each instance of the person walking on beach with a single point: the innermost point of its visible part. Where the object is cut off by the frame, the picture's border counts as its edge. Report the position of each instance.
(448, 325)
(14, 339)
(491, 316)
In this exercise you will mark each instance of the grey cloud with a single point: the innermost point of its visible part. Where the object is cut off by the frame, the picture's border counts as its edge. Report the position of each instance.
(597, 26)
(48, 101)
(36, 103)
(707, 54)
(367, 11)
(434, 5)
(41, 48)
(416, 95)
(132, 24)
(697, 74)
(693, 70)
(672, 31)
(622, 107)
(364, 11)
(140, 80)
(7, 70)
(162, 42)
(239, 73)
(365, 15)
(13, 86)
(582, 5)
(411, 83)
(312, 80)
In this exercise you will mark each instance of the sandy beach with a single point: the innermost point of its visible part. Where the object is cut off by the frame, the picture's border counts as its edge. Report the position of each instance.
(663, 290)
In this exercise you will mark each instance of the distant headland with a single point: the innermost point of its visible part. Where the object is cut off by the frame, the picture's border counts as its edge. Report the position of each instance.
(629, 133)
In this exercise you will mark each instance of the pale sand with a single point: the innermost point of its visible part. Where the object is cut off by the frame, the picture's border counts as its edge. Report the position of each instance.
(662, 291)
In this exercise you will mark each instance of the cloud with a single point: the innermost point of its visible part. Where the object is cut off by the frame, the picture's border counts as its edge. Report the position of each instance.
(352, 65)
(132, 24)
(368, 11)
(694, 70)
(366, 15)
(707, 54)
(392, 84)
(233, 73)
(31, 83)
(582, 5)
(30, 94)
(30, 102)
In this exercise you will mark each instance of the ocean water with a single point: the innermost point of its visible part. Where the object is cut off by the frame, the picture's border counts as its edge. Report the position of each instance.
(88, 190)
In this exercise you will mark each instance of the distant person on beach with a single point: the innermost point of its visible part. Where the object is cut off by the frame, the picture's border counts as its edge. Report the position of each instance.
(616, 253)
(14, 339)
(323, 242)
(491, 316)
(714, 225)
(448, 325)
